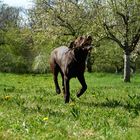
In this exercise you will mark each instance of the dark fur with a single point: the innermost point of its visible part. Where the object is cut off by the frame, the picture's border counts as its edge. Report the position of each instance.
(70, 62)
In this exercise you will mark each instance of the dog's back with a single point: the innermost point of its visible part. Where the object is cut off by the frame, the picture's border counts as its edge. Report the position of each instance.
(58, 56)
(59, 52)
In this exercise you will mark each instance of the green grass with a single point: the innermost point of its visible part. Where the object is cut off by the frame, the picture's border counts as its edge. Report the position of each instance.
(31, 110)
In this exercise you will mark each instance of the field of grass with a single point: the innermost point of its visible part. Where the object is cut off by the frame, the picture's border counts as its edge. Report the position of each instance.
(31, 110)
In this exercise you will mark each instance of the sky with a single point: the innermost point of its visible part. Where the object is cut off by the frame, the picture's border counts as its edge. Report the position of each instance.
(19, 3)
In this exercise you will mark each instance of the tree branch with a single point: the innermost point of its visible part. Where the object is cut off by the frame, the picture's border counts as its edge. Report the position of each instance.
(61, 21)
(66, 25)
(125, 18)
(68, 34)
(111, 36)
(135, 39)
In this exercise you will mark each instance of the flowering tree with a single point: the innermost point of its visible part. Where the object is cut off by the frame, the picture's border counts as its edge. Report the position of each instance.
(120, 21)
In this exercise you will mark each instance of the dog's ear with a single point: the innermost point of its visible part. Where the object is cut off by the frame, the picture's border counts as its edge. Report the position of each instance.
(79, 41)
(89, 38)
(72, 45)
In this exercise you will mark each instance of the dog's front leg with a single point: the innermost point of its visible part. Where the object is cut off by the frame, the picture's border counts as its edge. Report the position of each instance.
(66, 89)
(83, 83)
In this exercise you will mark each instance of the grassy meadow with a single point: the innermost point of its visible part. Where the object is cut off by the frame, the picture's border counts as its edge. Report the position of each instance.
(31, 110)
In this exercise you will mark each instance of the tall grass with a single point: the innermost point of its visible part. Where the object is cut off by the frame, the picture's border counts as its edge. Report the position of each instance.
(31, 110)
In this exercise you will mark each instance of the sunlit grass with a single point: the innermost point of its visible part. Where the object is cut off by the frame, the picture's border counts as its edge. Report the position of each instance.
(30, 108)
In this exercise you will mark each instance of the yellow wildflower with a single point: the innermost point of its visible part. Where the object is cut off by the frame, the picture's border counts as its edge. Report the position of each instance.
(45, 119)
(7, 97)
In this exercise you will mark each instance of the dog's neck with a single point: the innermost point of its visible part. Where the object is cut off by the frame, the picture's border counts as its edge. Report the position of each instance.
(80, 56)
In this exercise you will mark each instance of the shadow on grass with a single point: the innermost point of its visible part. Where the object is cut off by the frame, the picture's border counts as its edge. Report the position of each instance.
(130, 104)
(7, 88)
(44, 111)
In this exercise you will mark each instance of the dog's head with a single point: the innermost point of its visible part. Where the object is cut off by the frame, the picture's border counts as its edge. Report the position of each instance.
(82, 42)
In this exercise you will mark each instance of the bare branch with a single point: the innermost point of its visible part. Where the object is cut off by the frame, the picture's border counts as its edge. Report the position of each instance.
(66, 25)
(68, 34)
(112, 36)
(125, 18)
(135, 39)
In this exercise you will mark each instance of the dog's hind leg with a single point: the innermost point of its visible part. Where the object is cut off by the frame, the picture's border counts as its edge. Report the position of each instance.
(56, 70)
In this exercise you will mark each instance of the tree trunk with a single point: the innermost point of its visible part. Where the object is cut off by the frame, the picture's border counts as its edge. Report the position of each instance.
(126, 67)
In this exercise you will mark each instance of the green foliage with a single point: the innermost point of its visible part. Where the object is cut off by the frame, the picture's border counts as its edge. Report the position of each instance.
(62, 17)
(17, 53)
(16, 44)
(107, 57)
(30, 108)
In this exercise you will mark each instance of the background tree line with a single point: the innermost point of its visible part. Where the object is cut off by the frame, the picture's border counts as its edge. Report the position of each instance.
(114, 25)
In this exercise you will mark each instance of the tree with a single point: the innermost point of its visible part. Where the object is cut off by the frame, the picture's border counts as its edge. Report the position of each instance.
(65, 17)
(120, 22)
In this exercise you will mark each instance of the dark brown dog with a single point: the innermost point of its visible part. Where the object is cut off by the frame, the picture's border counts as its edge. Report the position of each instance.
(70, 62)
